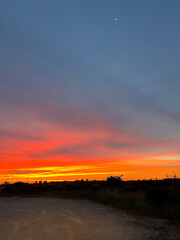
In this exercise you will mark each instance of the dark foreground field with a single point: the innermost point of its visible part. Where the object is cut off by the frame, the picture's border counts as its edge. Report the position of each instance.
(61, 219)
(153, 198)
(42, 211)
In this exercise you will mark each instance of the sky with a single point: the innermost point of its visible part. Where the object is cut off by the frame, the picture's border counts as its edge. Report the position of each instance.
(89, 89)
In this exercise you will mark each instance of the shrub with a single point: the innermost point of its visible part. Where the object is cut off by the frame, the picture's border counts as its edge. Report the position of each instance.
(114, 181)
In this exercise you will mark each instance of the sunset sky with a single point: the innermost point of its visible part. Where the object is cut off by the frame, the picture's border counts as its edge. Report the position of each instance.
(89, 89)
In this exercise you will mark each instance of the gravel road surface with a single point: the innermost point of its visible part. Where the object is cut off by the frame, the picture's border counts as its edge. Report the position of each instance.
(61, 219)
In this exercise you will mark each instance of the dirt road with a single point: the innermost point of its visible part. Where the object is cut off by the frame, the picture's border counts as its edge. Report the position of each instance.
(58, 219)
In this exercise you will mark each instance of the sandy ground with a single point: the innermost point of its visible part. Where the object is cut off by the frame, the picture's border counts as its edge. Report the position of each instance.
(59, 219)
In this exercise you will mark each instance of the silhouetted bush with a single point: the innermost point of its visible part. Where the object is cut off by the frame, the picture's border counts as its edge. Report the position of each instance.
(115, 181)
